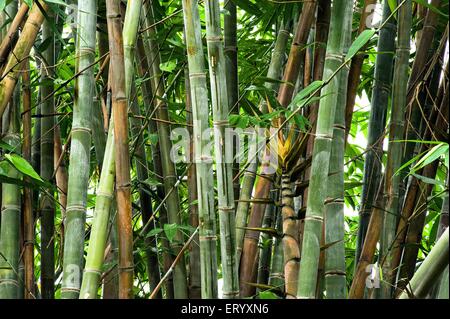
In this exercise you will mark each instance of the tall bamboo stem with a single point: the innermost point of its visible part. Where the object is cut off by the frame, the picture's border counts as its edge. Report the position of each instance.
(122, 155)
(203, 160)
(340, 26)
(392, 180)
(377, 122)
(222, 150)
(79, 160)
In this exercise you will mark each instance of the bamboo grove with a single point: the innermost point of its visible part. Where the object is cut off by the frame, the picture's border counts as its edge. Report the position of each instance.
(224, 149)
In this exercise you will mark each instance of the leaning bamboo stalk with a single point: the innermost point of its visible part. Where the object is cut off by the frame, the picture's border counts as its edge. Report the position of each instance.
(79, 161)
(21, 50)
(130, 31)
(222, 144)
(297, 53)
(122, 156)
(363, 269)
(98, 237)
(47, 155)
(168, 166)
(377, 122)
(340, 26)
(28, 219)
(200, 110)
(394, 158)
(429, 270)
(8, 40)
(423, 54)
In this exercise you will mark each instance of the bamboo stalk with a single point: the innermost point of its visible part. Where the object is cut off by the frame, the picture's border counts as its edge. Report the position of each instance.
(433, 265)
(8, 40)
(10, 212)
(231, 65)
(21, 50)
(222, 142)
(47, 154)
(362, 271)
(334, 228)
(122, 156)
(98, 238)
(377, 122)
(79, 160)
(394, 159)
(356, 66)
(200, 110)
(195, 290)
(28, 218)
(340, 26)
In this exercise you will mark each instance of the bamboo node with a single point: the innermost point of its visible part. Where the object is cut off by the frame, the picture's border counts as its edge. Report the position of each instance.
(11, 207)
(227, 209)
(197, 75)
(126, 268)
(208, 237)
(314, 218)
(93, 271)
(75, 208)
(81, 129)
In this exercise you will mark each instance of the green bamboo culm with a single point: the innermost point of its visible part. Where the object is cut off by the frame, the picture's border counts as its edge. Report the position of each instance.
(223, 150)
(168, 166)
(10, 213)
(340, 27)
(46, 160)
(377, 122)
(335, 268)
(79, 160)
(130, 31)
(203, 160)
(431, 268)
(99, 230)
(395, 149)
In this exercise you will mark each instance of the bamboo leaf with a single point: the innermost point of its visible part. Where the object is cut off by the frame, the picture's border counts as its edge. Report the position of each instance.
(170, 230)
(248, 6)
(425, 3)
(428, 180)
(23, 166)
(154, 232)
(432, 155)
(360, 42)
